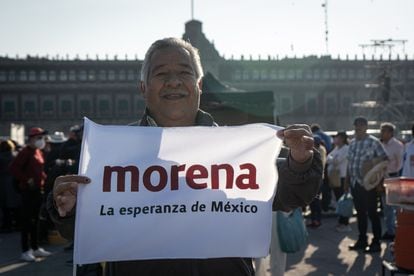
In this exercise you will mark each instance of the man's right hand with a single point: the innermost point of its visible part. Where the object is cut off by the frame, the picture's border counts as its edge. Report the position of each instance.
(65, 192)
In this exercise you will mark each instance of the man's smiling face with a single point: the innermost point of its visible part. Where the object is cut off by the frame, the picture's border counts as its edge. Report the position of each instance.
(172, 89)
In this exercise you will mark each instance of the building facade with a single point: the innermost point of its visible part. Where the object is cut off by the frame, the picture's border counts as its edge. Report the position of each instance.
(56, 94)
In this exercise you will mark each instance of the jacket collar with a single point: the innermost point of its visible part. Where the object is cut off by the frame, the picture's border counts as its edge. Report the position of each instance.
(202, 119)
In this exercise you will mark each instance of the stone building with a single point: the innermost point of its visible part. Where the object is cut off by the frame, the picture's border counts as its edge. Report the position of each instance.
(57, 93)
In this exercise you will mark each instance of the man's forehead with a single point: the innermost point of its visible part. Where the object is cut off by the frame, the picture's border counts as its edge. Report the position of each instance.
(171, 55)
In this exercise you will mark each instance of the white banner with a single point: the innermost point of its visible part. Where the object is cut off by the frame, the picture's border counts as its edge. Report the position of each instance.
(188, 192)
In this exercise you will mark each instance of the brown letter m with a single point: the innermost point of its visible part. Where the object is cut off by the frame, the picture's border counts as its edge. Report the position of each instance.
(121, 171)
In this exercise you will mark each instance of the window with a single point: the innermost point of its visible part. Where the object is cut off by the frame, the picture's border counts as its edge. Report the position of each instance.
(299, 74)
(343, 75)
(122, 75)
(411, 73)
(255, 74)
(91, 75)
(325, 74)
(245, 75)
(52, 75)
(29, 107)
(47, 106)
(32, 75)
(331, 106)
(102, 75)
(63, 75)
(312, 106)
(85, 106)
(12, 76)
(351, 74)
(368, 74)
(309, 74)
(43, 75)
(111, 75)
(346, 104)
(131, 75)
(66, 106)
(237, 75)
(103, 106)
(316, 74)
(123, 106)
(281, 74)
(361, 75)
(263, 74)
(3, 76)
(72, 75)
(82, 75)
(291, 75)
(334, 74)
(9, 107)
(273, 75)
(23, 76)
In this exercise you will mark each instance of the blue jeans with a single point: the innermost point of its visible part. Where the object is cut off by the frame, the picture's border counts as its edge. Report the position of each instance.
(389, 216)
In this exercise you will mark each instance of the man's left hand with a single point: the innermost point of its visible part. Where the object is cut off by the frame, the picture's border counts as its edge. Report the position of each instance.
(299, 139)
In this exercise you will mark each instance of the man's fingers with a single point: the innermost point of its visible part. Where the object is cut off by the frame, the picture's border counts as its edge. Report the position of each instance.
(69, 183)
(73, 178)
(281, 134)
(296, 133)
(308, 142)
(61, 188)
(300, 126)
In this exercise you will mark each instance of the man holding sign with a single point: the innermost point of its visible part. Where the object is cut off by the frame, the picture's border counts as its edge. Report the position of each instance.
(171, 79)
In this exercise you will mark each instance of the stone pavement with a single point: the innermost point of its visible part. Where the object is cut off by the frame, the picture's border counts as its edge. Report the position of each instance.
(326, 254)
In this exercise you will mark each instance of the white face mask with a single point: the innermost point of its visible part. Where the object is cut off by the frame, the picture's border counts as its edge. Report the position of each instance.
(40, 144)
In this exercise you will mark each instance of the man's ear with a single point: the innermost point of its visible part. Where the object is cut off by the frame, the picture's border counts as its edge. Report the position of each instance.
(200, 85)
(143, 89)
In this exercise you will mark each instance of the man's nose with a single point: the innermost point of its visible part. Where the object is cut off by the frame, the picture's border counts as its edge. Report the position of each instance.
(173, 80)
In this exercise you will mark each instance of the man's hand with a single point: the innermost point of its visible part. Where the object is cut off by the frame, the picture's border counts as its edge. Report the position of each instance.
(65, 191)
(300, 141)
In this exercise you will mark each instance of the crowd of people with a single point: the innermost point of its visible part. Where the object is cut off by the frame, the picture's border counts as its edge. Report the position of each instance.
(350, 167)
(316, 168)
(27, 175)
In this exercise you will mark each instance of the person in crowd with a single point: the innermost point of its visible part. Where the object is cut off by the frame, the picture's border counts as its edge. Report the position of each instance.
(171, 81)
(326, 191)
(70, 150)
(337, 160)
(408, 165)
(315, 205)
(10, 200)
(53, 165)
(327, 140)
(395, 152)
(363, 151)
(28, 168)
(51, 153)
(275, 263)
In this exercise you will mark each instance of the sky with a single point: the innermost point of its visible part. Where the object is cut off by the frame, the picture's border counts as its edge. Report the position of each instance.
(237, 27)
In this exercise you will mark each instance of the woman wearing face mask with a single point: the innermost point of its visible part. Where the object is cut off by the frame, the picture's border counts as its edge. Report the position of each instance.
(27, 168)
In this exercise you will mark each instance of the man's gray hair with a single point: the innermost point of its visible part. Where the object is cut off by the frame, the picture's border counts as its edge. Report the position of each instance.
(171, 42)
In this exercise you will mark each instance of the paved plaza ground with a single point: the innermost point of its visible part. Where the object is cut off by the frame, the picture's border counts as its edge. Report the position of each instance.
(326, 254)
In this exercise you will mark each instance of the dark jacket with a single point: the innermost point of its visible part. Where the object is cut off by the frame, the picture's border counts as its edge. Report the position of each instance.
(298, 184)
